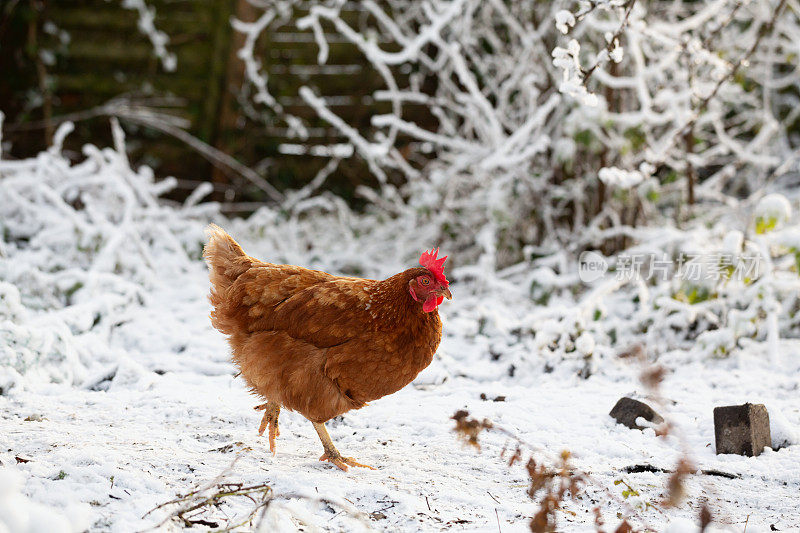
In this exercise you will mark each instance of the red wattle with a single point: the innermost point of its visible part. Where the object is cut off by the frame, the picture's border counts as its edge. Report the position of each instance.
(431, 303)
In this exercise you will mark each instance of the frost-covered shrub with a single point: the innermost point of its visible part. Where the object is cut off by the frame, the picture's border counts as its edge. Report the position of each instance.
(552, 117)
(615, 125)
(565, 126)
(82, 244)
(90, 255)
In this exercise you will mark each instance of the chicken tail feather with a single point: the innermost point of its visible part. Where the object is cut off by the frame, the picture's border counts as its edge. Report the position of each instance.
(226, 262)
(225, 258)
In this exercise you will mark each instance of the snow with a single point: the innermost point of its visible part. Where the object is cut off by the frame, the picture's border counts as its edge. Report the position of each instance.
(117, 395)
(158, 38)
(774, 206)
(616, 53)
(617, 177)
(19, 514)
(585, 344)
(564, 21)
(568, 61)
(732, 242)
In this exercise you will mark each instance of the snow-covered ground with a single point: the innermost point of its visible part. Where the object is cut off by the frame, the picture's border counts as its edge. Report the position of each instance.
(116, 395)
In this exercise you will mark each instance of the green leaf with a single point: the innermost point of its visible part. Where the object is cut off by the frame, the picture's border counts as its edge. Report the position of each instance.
(584, 137)
(636, 137)
(763, 226)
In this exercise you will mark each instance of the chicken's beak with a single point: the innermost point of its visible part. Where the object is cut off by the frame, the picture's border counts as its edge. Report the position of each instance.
(444, 291)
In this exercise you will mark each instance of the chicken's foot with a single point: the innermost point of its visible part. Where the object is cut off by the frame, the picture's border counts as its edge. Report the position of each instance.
(331, 453)
(271, 412)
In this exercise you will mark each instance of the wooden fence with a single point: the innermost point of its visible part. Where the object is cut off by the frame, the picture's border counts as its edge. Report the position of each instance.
(105, 56)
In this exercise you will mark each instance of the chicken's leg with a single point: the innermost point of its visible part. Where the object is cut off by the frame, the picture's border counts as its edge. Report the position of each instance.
(271, 412)
(331, 453)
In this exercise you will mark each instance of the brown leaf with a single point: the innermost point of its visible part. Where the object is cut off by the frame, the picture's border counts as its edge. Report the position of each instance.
(540, 522)
(653, 376)
(540, 476)
(676, 484)
(598, 518)
(469, 428)
(636, 351)
(624, 527)
(516, 457)
(705, 517)
(543, 521)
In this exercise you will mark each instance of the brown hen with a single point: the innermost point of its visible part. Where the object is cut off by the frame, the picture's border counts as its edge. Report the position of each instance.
(321, 344)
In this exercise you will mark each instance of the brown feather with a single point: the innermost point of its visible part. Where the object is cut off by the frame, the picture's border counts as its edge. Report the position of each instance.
(313, 342)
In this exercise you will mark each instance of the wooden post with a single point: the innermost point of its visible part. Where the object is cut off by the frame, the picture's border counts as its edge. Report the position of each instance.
(234, 77)
(690, 177)
(220, 30)
(37, 7)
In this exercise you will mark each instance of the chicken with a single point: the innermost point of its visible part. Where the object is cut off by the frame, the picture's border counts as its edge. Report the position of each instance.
(320, 344)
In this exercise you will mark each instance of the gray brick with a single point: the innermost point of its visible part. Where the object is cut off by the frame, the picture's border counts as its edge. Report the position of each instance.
(742, 429)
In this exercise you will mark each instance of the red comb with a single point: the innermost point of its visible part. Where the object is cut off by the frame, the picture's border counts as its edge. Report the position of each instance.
(436, 266)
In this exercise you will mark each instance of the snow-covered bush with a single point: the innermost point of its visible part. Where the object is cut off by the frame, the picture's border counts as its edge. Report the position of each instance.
(637, 110)
(159, 39)
(649, 128)
(94, 263)
(82, 244)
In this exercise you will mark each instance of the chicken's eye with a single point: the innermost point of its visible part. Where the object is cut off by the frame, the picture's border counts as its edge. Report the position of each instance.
(425, 281)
